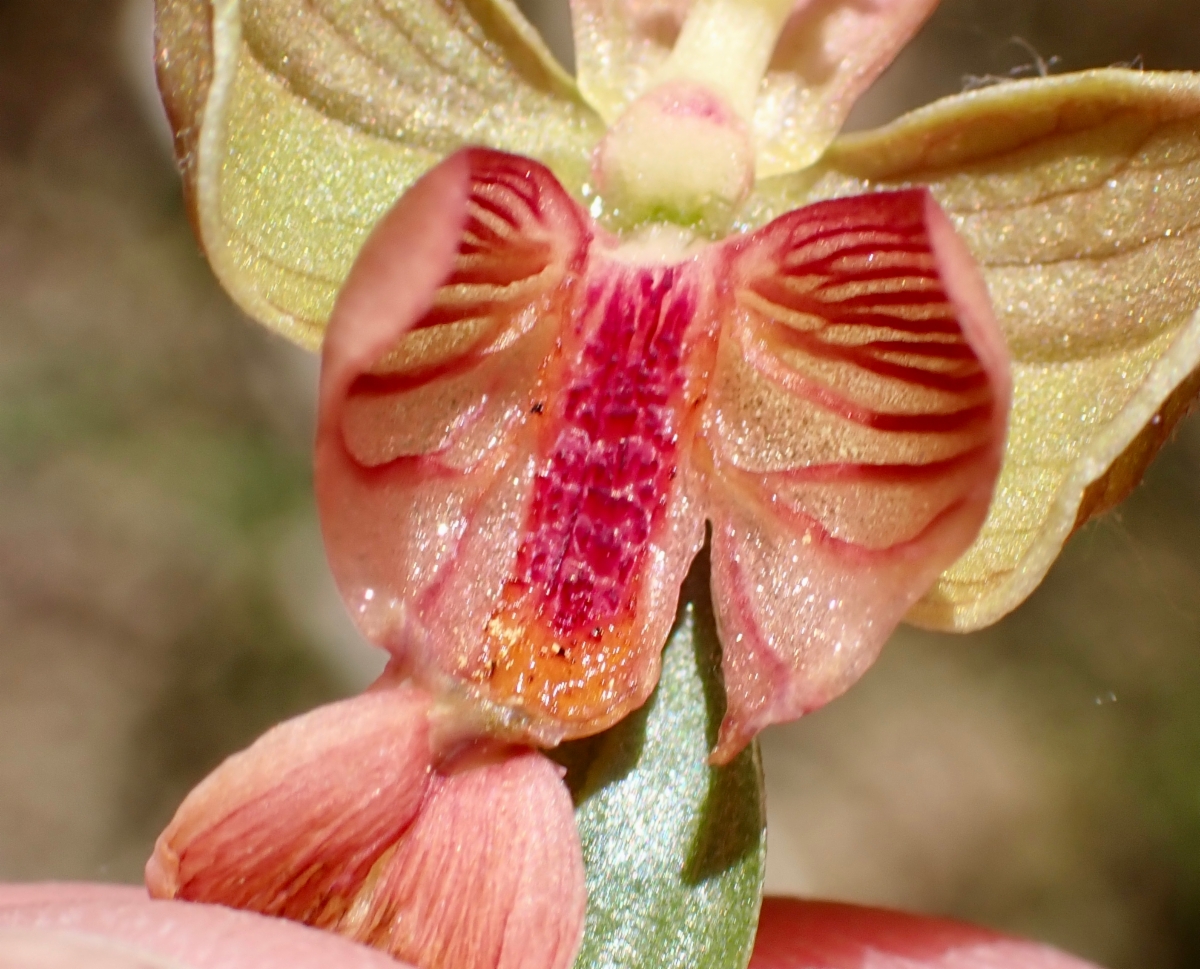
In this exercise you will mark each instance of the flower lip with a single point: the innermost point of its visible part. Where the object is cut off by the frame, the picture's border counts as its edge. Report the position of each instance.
(827, 391)
(755, 395)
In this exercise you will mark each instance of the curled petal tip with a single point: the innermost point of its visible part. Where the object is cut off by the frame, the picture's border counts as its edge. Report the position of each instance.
(968, 293)
(162, 870)
(407, 256)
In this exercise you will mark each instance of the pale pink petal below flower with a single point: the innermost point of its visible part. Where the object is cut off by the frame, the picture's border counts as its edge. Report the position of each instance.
(513, 484)
(824, 935)
(347, 819)
(75, 925)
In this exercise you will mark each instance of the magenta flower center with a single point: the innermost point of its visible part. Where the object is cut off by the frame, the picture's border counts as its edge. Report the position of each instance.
(604, 488)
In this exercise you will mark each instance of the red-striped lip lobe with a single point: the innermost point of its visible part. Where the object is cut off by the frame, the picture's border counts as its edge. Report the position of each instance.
(513, 491)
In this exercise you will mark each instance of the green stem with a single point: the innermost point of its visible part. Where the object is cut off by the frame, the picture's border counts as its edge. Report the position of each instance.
(726, 45)
(675, 849)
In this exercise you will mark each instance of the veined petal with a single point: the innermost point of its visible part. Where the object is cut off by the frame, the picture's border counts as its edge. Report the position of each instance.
(1080, 198)
(828, 53)
(431, 411)
(825, 935)
(491, 873)
(542, 436)
(293, 825)
(501, 465)
(346, 819)
(855, 431)
(298, 124)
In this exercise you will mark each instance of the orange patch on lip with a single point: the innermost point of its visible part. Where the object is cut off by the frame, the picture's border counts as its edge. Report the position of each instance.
(581, 680)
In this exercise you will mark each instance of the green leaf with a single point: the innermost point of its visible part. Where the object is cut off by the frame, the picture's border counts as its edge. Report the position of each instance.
(674, 849)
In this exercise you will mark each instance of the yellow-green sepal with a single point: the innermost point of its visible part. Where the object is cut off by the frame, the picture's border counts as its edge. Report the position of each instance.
(1080, 198)
(300, 123)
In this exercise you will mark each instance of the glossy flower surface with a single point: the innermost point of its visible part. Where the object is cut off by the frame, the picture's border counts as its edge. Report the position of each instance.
(546, 441)
(299, 123)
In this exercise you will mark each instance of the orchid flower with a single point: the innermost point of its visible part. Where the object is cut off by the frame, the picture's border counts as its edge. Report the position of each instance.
(890, 372)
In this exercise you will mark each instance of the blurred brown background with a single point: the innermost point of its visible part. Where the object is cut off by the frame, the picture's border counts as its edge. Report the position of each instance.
(163, 595)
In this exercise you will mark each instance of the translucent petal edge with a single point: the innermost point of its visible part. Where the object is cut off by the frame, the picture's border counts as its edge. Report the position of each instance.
(226, 49)
(872, 155)
(1106, 448)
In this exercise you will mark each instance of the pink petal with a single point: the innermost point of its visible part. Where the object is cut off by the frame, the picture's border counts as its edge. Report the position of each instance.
(824, 935)
(423, 465)
(826, 57)
(106, 926)
(491, 873)
(506, 471)
(346, 819)
(292, 825)
(856, 430)
(498, 474)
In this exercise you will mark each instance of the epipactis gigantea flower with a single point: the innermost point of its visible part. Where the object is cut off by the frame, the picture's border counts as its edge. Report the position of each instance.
(617, 309)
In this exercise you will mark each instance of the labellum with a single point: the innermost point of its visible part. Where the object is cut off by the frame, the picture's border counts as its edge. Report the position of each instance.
(610, 316)
(547, 439)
